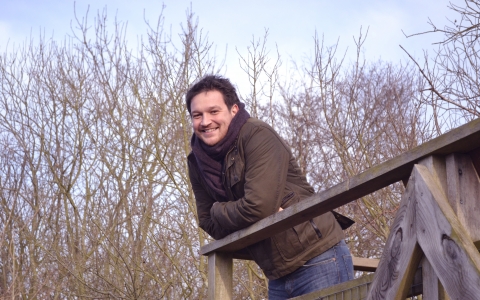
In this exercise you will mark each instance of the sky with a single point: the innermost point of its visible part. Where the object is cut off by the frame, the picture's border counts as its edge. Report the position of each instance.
(232, 24)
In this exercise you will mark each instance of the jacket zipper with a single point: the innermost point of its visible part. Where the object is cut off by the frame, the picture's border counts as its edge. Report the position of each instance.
(319, 234)
(224, 167)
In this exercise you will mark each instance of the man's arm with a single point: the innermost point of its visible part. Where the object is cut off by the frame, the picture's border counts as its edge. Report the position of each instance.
(266, 167)
(204, 203)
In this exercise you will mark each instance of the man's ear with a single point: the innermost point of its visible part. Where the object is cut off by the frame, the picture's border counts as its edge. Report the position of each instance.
(234, 109)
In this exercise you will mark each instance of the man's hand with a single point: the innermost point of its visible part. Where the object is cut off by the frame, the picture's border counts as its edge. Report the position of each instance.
(280, 209)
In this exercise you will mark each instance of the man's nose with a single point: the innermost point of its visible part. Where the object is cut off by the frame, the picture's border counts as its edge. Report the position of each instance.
(205, 120)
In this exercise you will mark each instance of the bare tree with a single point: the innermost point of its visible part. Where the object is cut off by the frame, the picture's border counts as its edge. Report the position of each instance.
(452, 73)
(262, 72)
(344, 119)
(94, 194)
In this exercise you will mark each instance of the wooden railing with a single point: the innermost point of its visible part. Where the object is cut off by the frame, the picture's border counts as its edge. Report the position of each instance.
(437, 225)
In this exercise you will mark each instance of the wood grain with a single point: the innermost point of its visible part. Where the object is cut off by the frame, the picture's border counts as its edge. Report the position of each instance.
(349, 290)
(463, 187)
(444, 241)
(357, 289)
(401, 255)
(220, 276)
(432, 289)
(436, 165)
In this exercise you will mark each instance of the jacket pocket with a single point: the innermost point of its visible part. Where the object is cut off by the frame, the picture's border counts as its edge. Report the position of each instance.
(288, 243)
(298, 238)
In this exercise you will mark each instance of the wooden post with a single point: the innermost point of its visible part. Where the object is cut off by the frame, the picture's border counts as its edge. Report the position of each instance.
(220, 276)
(444, 241)
(436, 166)
(432, 287)
(464, 193)
(426, 222)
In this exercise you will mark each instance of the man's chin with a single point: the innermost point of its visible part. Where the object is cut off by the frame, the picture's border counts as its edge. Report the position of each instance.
(210, 142)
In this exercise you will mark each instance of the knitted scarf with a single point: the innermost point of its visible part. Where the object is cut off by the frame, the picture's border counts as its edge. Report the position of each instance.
(210, 158)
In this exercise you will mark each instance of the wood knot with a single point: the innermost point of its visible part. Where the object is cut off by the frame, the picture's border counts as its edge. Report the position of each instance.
(397, 242)
(450, 247)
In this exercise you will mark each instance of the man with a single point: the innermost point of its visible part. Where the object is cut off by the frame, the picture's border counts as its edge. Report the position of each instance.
(241, 171)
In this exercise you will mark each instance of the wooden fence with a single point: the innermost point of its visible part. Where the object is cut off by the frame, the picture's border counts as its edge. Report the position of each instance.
(435, 234)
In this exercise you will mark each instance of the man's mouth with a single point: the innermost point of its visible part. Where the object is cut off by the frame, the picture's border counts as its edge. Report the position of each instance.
(209, 130)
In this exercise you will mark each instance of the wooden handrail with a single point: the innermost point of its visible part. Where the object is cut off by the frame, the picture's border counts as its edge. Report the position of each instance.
(365, 264)
(463, 139)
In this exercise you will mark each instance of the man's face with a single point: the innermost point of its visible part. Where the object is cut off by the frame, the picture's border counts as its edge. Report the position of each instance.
(211, 117)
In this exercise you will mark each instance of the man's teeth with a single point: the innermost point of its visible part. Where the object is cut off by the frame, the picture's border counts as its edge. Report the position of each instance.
(209, 130)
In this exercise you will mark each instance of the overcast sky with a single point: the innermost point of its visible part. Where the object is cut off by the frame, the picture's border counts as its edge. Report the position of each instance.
(291, 24)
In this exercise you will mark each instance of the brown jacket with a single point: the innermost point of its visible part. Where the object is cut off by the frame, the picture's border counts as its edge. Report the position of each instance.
(260, 176)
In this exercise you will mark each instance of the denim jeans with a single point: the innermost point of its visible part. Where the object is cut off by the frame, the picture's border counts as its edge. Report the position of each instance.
(329, 268)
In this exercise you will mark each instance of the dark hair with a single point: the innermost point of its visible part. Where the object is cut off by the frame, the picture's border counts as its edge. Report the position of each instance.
(213, 83)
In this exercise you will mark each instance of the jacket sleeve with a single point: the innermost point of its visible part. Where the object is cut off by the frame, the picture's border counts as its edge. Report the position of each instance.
(204, 203)
(266, 167)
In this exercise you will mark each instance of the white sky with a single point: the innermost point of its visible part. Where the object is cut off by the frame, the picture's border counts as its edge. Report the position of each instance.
(291, 24)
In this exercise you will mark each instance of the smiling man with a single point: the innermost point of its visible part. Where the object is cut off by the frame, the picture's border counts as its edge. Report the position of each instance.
(241, 171)
(211, 116)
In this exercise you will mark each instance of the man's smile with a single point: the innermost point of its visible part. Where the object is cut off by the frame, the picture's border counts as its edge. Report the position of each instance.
(209, 130)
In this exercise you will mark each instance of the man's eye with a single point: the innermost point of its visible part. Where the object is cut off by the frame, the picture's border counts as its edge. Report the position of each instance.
(196, 116)
(214, 112)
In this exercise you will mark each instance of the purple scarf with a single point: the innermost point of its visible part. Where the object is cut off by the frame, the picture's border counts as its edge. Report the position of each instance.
(210, 158)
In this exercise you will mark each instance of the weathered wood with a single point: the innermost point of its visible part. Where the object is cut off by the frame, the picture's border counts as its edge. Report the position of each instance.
(401, 255)
(430, 281)
(220, 276)
(437, 166)
(463, 193)
(463, 139)
(358, 288)
(443, 239)
(475, 156)
(365, 264)
(432, 289)
(432, 223)
(349, 290)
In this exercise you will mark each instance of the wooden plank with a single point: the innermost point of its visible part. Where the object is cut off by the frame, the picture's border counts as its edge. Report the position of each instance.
(463, 193)
(401, 255)
(432, 289)
(462, 139)
(220, 276)
(365, 264)
(354, 289)
(358, 288)
(443, 239)
(430, 281)
(437, 166)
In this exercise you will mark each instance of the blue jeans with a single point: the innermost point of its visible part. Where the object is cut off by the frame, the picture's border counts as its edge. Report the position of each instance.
(329, 268)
